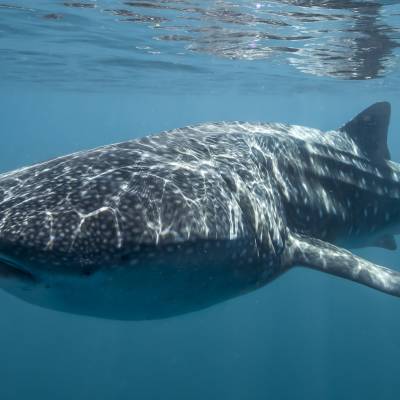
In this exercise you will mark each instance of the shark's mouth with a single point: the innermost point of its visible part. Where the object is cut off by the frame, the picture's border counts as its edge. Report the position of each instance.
(12, 272)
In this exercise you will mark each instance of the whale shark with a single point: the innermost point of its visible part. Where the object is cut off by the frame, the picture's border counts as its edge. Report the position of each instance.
(178, 221)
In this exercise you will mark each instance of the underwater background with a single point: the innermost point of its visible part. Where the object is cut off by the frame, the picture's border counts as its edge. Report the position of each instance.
(78, 75)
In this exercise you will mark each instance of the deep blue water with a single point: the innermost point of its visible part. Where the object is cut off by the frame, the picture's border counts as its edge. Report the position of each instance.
(75, 76)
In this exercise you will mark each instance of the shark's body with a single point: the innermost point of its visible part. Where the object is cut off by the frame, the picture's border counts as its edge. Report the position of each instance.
(178, 221)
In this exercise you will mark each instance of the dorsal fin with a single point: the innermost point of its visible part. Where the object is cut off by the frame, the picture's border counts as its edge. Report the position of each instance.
(369, 130)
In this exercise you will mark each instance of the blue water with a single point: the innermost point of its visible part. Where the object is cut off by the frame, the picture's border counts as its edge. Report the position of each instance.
(78, 75)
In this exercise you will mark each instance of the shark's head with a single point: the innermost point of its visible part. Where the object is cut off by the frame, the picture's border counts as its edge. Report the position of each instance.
(11, 276)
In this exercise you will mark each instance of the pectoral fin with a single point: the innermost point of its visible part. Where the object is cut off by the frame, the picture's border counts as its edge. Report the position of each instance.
(325, 257)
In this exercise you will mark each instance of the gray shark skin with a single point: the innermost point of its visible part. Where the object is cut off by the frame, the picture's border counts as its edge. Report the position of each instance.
(179, 221)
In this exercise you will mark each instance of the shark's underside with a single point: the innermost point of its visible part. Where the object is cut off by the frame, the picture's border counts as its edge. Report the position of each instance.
(178, 221)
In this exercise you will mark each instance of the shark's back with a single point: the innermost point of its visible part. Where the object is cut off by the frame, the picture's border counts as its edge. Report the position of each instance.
(340, 186)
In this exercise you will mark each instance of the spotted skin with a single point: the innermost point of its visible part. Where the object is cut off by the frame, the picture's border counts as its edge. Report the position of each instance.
(184, 219)
(188, 185)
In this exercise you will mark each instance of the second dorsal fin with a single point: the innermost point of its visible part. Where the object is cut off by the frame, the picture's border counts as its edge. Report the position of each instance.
(387, 242)
(369, 131)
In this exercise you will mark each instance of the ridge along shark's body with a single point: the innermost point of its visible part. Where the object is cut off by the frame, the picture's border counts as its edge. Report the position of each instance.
(178, 221)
